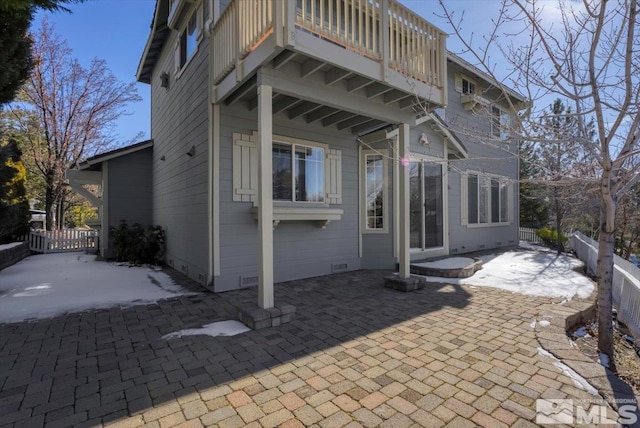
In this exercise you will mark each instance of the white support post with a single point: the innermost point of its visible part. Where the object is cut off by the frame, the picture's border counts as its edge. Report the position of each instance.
(403, 217)
(265, 197)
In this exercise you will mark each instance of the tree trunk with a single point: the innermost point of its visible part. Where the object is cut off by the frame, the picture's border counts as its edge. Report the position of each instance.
(606, 246)
(559, 244)
(49, 200)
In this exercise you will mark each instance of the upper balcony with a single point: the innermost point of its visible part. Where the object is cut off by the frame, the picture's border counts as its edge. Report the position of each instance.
(377, 48)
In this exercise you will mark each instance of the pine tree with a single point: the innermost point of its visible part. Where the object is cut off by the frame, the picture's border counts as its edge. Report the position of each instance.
(14, 207)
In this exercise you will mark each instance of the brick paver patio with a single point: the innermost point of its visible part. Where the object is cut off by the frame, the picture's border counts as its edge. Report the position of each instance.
(357, 355)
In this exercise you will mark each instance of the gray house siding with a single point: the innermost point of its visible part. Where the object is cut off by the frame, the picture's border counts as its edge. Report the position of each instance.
(492, 157)
(301, 249)
(180, 188)
(130, 182)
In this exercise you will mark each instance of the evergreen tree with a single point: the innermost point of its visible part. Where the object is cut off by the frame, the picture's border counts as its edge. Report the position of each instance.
(15, 43)
(14, 207)
(534, 212)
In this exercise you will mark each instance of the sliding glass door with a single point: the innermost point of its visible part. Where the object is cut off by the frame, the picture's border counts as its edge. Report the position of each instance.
(426, 205)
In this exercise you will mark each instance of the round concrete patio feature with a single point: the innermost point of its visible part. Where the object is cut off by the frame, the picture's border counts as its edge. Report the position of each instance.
(451, 267)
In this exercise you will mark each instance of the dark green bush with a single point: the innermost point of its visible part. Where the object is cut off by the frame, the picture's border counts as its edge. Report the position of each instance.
(137, 246)
(550, 237)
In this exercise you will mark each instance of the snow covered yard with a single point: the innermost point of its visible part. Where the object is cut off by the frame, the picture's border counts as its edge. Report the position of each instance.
(532, 272)
(48, 285)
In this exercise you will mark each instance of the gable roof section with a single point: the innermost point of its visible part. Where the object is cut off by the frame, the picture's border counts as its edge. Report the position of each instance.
(519, 98)
(450, 137)
(122, 151)
(159, 33)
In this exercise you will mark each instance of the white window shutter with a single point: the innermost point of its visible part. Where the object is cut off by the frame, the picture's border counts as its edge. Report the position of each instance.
(333, 176)
(245, 168)
(458, 82)
(510, 202)
(464, 198)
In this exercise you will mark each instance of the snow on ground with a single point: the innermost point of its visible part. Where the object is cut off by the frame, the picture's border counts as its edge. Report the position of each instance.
(450, 263)
(530, 272)
(578, 380)
(11, 245)
(220, 328)
(48, 285)
(531, 246)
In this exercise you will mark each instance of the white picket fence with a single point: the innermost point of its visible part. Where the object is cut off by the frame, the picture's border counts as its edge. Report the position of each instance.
(626, 280)
(64, 240)
(529, 235)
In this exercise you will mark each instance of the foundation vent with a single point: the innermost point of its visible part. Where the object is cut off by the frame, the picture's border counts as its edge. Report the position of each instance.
(339, 267)
(453, 251)
(481, 247)
(498, 243)
(248, 281)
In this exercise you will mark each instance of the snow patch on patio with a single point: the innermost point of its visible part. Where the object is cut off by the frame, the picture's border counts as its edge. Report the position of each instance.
(220, 328)
(529, 272)
(578, 380)
(450, 263)
(49, 285)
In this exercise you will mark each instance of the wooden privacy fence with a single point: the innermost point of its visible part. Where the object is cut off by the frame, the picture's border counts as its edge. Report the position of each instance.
(626, 280)
(529, 235)
(58, 241)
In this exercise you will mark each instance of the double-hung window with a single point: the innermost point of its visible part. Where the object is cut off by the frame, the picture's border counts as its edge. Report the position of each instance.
(298, 173)
(487, 199)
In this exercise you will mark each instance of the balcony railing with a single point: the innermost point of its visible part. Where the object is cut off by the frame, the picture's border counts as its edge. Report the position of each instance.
(382, 30)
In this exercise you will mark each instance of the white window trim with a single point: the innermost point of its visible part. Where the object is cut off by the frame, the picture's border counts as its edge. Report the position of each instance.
(459, 78)
(280, 139)
(503, 129)
(416, 253)
(464, 200)
(385, 191)
(199, 11)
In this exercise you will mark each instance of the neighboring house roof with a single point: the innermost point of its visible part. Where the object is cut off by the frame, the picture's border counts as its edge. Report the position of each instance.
(159, 33)
(122, 151)
(468, 66)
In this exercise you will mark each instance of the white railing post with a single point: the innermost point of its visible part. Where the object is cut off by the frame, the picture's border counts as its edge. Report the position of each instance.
(290, 22)
(278, 8)
(384, 37)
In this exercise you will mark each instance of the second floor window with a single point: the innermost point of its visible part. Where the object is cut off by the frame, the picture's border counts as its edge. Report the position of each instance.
(499, 123)
(189, 39)
(468, 86)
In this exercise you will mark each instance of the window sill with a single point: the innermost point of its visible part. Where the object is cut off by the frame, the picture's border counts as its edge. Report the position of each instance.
(472, 101)
(321, 216)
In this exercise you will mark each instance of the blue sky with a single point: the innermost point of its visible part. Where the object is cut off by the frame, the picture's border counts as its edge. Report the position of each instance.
(117, 30)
